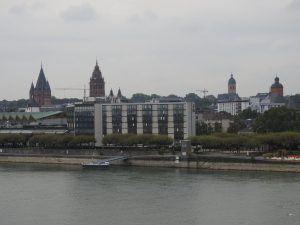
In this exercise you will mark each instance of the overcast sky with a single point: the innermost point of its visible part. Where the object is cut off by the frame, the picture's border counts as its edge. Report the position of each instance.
(150, 46)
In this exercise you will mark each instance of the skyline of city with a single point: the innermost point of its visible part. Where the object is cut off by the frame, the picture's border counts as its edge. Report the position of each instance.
(150, 47)
(79, 93)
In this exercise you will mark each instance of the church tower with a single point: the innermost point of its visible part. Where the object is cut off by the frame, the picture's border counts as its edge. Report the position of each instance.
(231, 85)
(97, 84)
(276, 88)
(40, 95)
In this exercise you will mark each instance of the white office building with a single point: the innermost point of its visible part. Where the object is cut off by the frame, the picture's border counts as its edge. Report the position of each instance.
(175, 119)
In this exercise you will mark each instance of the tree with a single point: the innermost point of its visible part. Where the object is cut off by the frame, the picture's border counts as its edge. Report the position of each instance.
(200, 103)
(140, 97)
(136, 139)
(242, 120)
(248, 114)
(203, 128)
(278, 120)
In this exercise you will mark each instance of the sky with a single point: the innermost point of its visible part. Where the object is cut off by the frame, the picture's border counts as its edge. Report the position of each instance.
(150, 46)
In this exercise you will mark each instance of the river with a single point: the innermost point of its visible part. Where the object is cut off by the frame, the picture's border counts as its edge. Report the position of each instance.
(67, 195)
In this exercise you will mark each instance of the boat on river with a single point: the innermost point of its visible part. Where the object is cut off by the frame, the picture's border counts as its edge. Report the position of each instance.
(96, 165)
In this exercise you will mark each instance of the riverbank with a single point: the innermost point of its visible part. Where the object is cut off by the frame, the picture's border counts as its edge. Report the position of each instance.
(213, 162)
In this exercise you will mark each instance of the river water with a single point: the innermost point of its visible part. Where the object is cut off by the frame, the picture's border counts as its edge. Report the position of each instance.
(52, 195)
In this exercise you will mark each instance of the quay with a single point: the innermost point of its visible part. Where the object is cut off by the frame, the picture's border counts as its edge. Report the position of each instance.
(148, 159)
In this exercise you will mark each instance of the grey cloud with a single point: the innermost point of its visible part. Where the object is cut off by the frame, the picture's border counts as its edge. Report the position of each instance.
(83, 12)
(295, 4)
(19, 9)
(146, 16)
(26, 7)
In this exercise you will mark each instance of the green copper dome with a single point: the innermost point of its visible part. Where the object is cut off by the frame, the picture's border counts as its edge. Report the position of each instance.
(276, 83)
(231, 80)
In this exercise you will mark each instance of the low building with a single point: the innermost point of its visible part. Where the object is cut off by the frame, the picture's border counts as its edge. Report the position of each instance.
(217, 121)
(256, 101)
(175, 119)
(24, 121)
(264, 101)
(294, 102)
(232, 103)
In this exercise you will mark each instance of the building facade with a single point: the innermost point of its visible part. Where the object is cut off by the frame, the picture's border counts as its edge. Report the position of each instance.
(214, 120)
(264, 101)
(231, 102)
(97, 83)
(176, 119)
(83, 119)
(40, 95)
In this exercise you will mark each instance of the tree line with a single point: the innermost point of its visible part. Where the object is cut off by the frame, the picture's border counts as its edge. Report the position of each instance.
(80, 141)
(46, 141)
(137, 139)
(265, 142)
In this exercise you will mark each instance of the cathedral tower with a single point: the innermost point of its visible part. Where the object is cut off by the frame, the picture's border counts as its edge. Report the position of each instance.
(97, 84)
(40, 95)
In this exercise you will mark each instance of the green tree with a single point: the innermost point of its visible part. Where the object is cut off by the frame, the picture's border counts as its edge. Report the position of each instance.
(278, 120)
(200, 103)
(140, 97)
(203, 128)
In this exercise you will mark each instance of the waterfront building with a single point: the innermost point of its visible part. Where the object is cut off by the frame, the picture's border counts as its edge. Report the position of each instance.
(294, 102)
(40, 94)
(29, 122)
(97, 83)
(217, 121)
(265, 101)
(175, 119)
(231, 102)
(81, 118)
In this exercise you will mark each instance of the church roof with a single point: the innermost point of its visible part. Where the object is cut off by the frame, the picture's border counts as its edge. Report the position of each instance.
(230, 97)
(28, 115)
(97, 75)
(31, 88)
(276, 83)
(276, 98)
(41, 84)
(119, 95)
(48, 86)
(231, 80)
(111, 93)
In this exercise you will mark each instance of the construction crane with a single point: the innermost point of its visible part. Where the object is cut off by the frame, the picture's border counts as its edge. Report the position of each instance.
(74, 89)
(204, 91)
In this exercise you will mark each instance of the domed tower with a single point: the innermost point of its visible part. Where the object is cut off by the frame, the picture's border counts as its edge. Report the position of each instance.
(277, 88)
(97, 84)
(231, 85)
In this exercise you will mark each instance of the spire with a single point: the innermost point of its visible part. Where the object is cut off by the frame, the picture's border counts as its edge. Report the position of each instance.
(32, 88)
(41, 82)
(111, 93)
(119, 95)
(97, 73)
